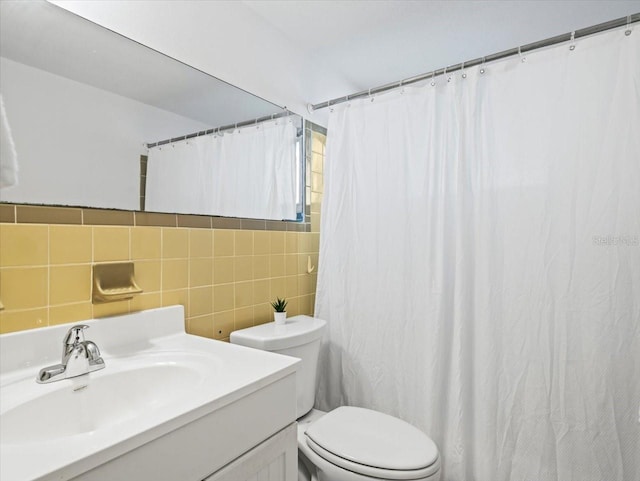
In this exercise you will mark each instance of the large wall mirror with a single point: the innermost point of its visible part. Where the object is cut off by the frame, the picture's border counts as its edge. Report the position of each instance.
(83, 104)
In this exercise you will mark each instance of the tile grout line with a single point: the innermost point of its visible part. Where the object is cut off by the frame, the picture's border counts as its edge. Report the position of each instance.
(92, 262)
(48, 274)
(188, 308)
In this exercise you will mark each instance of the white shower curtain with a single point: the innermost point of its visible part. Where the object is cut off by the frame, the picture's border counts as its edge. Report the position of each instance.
(480, 263)
(246, 173)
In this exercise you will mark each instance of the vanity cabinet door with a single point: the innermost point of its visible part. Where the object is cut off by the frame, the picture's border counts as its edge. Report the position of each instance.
(275, 459)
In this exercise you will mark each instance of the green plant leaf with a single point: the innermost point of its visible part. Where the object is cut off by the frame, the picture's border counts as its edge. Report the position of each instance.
(279, 305)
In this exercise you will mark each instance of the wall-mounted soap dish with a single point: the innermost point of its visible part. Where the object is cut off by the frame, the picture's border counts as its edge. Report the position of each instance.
(114, 281)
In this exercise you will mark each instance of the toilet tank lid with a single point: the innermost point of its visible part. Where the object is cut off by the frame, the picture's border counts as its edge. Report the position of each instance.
(297, 331)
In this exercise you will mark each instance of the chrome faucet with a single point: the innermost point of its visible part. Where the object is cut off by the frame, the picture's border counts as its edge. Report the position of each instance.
(78, 358)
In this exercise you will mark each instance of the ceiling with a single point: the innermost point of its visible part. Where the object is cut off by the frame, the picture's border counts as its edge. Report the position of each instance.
(370, 43)
(298, 52)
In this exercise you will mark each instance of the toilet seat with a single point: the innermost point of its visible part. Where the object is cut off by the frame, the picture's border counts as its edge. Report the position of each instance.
(371, 471)
(373, 444)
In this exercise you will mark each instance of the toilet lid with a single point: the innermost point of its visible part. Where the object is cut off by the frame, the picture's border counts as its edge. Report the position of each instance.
(372, 439)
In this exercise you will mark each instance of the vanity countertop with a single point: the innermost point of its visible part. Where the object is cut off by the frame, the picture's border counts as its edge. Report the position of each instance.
(157, 379)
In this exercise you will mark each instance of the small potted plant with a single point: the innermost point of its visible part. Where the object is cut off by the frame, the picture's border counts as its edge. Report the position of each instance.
(280, 314)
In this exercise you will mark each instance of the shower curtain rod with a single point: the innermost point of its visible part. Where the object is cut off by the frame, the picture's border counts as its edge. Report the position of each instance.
(245, 123)
(583, 32)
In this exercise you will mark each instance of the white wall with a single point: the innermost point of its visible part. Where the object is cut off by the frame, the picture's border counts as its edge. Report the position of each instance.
(76, 144)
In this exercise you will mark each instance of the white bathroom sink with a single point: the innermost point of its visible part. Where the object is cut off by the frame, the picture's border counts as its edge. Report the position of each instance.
(157, 381)
(96, 401)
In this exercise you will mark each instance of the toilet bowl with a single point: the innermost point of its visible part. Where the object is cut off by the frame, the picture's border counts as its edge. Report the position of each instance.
(348, 443)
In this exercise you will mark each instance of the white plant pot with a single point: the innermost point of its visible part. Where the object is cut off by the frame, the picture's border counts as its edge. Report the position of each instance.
(280, 317)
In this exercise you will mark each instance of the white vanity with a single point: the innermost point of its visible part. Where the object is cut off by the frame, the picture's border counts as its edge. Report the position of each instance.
(167, 406)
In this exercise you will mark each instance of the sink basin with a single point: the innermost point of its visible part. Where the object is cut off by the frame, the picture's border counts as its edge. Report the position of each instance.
(94, 401)
(160, 390)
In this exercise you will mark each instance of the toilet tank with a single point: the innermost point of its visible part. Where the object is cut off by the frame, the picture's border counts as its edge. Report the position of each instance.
(299, 337)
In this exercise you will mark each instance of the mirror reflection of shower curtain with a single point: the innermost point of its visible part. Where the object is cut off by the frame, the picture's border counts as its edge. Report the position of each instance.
(480, 263)
(8, 154)
(247, 173)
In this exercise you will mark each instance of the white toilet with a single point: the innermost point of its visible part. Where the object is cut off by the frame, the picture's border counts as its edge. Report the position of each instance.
(348, 443)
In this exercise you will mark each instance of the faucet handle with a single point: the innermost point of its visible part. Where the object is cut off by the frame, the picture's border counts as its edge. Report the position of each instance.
(73, 334)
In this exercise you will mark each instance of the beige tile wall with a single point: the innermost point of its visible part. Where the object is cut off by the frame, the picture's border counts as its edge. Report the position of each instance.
(224, 278)
(318, 142)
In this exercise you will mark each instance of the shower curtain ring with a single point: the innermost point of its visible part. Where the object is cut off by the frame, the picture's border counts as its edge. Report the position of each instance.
(482, 70)
(573, 43)
(464, 74)
(522, 59)
(627, 32)
(433, 82)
